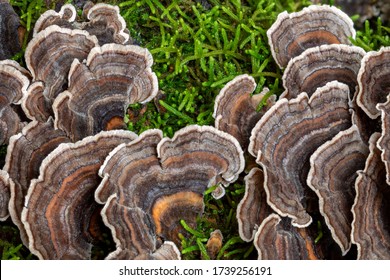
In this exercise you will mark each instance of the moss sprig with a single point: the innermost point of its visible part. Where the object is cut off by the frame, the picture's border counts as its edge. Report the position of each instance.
(373, 36)
(218, 214)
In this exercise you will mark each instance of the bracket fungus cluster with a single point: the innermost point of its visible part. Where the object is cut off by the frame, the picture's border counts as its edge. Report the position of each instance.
(112, 74)
(13, 84)
(155, 179)
(320, 150)
(72, 173)
(293, 33)
(312, 144)
(102, 20)
(59, 39)
(235, 108)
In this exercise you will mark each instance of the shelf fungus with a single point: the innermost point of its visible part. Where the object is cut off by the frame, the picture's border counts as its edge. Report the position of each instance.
(293, 33)
(64, 18)
(25, 153)
(102, 20)
(112, 77)
(13, 86)
(60, 214)
(332, 176)
(370, 226)
(373, 79)
(235, 108)
(285, 138)
(319, 65)
(277, 239)
(253, 207)
(133, 234)
(49, 56)
(106, 23)
(166, 178)
(4, 195)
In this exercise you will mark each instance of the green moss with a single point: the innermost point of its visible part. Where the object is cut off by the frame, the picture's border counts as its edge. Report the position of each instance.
(373, 36)
(11, 247)
(197, 49)
(218, 214)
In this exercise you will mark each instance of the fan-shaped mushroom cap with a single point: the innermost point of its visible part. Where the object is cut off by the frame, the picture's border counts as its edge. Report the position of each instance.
(4, 195)
(235, 109)
(10, 26)
(35, 105)
(166, 178)
(133, 233)
(100, 90)
(374, 82)
(13, 85)
(222, 152)
(319, 65)
(10, 124)
(106, 23)
(64, 18)
(49, 56)
(370, 226)
(253, 207)
(277, 239)
(16, 66)
(25, 154)
(332, 176)
(60, 203)
(285, 138)
(293, 33)
(384, 140)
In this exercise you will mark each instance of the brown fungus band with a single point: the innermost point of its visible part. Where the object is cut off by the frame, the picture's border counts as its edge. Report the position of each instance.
(288, 242)
(332, 175)
(112, 77)
(285, 138)
(374, 82)
(166, 178)
(102, 20)
(293, 33)
(25, 153)
(49, 56)
(133, 234)
(13, 86)
(63, 18)
(253, 207)
(235, 108)
(370, 226)
(319, 65)
(384, 140)
(60, 209)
